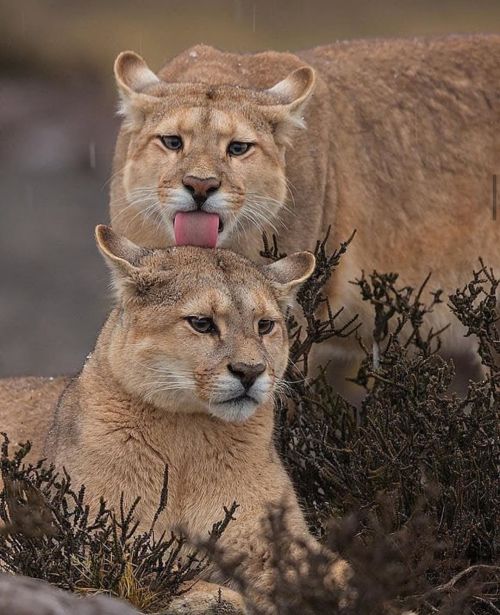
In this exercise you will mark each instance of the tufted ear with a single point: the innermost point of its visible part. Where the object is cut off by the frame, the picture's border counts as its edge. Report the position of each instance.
(133, 76)
(122, 256)
(289, 272)
(292, 95)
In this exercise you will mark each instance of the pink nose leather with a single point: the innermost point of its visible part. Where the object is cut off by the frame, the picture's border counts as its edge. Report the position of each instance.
(200, 188)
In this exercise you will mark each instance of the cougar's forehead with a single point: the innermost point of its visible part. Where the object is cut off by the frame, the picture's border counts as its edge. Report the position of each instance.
(224, 282)
(222, 108)
(225, 294)
(191, 120)
(225, 123)
(210, 281)
(205, 94)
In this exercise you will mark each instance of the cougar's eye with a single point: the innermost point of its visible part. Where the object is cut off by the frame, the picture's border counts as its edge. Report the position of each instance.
(238, 148)
(265, 326)
(202, 324)
(173, 142)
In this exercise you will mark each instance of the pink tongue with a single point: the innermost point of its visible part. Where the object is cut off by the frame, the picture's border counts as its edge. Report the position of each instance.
(196, 228)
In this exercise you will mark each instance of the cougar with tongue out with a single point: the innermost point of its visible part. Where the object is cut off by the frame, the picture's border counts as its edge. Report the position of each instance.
(402, 143)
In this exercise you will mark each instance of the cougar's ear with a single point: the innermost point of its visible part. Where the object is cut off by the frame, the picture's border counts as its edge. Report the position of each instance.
(133, 76)
(289, 272)
(122, 256)
(293, 91)
(292, 95)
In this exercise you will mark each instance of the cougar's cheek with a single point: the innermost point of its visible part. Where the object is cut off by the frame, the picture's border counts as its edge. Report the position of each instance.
(262, 388)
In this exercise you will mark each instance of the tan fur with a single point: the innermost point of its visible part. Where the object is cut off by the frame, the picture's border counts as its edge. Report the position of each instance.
(153, 394)
(26, 409)
(402, 142)
(202, 598)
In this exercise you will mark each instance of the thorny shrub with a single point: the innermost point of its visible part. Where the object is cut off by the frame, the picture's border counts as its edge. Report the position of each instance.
(416, 462)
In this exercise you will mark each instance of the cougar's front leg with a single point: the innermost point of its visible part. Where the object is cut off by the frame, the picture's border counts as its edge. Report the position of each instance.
(202, 598)
(271, 544)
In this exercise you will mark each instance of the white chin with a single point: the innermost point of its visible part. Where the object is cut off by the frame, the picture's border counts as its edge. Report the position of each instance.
(237, 411)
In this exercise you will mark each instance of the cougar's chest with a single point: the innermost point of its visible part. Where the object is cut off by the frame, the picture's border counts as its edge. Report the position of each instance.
(208, 469)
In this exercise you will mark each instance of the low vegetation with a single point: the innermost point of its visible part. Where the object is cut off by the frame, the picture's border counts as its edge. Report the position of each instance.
(404, 487)
(49, 533)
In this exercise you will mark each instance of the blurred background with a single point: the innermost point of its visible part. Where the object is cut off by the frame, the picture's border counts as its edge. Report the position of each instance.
(58, 125)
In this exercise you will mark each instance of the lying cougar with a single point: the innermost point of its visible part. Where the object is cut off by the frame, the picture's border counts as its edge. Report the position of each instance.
(184, 373)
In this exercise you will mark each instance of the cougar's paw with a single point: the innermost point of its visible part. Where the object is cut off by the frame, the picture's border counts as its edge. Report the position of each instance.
(207, 599)
(339, 574)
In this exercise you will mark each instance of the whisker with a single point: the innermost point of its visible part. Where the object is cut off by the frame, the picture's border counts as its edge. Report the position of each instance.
(113, 175)
(263, 199)
(258, 213)
(146, 212)
(134, 203)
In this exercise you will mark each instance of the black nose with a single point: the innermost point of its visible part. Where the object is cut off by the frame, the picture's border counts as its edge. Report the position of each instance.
(246, 372)
(200, 188)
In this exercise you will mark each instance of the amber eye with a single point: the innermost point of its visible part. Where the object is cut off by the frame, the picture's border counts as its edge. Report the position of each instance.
(172, 142)
(238, 148)
(265, 326)
(202, 324)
